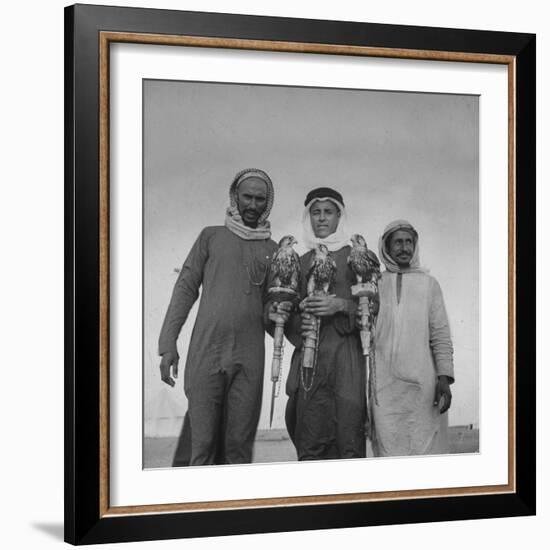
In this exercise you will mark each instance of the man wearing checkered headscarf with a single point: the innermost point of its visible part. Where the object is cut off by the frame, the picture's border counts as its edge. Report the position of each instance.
(225, 361)
(255, 226)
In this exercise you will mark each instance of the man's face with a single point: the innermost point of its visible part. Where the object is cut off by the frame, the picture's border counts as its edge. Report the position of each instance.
(401, 247)
(251, 200)
(324, 217)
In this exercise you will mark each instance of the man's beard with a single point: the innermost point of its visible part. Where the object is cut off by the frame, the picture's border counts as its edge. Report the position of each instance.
(250, 217)
(404, 260)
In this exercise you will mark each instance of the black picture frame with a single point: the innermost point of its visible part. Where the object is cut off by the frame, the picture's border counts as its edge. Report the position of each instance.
(87, 521)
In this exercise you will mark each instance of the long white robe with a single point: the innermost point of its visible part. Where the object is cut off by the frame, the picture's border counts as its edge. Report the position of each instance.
(413, 346)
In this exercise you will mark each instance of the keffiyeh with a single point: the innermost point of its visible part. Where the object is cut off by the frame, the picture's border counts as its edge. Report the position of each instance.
(233, 219)
(335, 241)
(389, 262)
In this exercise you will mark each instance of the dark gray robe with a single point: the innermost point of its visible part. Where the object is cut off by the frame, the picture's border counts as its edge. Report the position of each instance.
(225, 362)
(328, 420)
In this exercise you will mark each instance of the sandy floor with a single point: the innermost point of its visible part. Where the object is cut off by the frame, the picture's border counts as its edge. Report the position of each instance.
(274, 446)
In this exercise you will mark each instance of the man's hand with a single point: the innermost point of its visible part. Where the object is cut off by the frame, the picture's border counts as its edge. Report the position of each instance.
(358, 318)
(323, 306)
(169, 359)
(308, 324)
(279, 310)
(443, 390)
(374, 305)
(374, 308)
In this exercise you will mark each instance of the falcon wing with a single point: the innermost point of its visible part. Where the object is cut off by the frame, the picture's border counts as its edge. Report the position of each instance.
(275, 267)
(373, 259)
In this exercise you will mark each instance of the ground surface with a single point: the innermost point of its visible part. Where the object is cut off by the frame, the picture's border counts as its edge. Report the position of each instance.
(275, 446)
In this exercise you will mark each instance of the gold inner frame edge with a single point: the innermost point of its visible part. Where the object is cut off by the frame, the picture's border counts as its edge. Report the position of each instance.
(105, 39)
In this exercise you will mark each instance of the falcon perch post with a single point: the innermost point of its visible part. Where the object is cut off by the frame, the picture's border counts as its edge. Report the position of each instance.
(320, 280)
(366, 268)
(285, 276)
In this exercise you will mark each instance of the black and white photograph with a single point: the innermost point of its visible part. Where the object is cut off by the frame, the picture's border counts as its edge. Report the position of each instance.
(310, 273)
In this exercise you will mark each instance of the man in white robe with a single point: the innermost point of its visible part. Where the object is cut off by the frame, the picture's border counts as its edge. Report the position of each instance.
(414, 353)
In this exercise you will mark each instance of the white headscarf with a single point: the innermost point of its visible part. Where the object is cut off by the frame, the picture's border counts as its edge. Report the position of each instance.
(335, 241)
(389, 262)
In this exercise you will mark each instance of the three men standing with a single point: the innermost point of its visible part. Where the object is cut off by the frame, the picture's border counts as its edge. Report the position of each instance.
(223, 376)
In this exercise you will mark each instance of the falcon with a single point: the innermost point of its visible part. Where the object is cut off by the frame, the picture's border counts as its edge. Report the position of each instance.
(362, 261)
(285, 264)
(322, 271)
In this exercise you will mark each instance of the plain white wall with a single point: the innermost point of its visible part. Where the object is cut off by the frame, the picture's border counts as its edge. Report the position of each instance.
(31, 219)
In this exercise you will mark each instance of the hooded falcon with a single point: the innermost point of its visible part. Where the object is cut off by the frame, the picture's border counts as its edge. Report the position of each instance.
(363, 262)
(285, 264)
(322, 271)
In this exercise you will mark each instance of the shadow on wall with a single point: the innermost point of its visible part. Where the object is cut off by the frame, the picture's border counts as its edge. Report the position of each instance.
(54, 530)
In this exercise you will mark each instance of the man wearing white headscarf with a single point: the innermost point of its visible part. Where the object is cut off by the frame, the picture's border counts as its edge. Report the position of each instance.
(327, 419)
(414, 352)
(225, 362)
